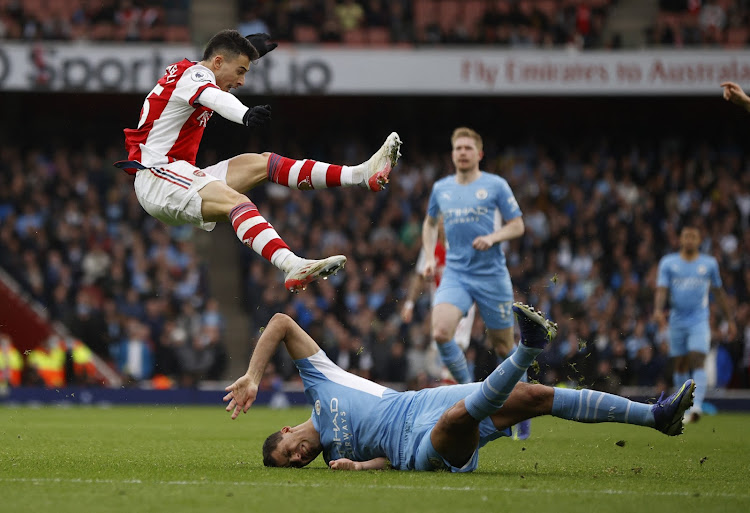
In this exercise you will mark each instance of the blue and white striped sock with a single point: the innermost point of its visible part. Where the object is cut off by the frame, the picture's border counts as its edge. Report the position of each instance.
(497, 387)
(593, 406)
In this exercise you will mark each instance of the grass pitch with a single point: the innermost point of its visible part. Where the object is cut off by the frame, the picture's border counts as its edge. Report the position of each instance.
(166, 458)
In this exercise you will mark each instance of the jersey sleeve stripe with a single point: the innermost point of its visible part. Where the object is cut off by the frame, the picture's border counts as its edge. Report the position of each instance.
(338, 375)
(199, 91)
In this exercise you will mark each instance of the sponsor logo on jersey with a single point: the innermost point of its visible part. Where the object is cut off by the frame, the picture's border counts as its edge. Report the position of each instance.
(204, 117)
(481, 194)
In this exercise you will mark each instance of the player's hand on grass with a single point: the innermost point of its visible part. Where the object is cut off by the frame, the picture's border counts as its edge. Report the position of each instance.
(241, 396)
(344, 464)
(482, 243)
(734, 93)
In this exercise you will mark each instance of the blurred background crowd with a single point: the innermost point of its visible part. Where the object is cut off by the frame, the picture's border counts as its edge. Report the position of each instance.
(600, 211)
(508, 23)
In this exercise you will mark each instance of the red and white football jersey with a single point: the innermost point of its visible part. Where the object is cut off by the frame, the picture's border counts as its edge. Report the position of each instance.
(172, 124)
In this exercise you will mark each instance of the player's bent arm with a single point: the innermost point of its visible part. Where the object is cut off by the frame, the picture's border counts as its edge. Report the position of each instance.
(243, 392)
(225, 104)
(299, 344)
(347, 464)
(723, 302)
(509, 231)
(660, 300)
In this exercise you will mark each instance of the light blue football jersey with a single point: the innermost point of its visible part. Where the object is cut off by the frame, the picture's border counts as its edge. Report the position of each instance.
(354, 416)
(361, 420)
(469, 211)
(689, 284)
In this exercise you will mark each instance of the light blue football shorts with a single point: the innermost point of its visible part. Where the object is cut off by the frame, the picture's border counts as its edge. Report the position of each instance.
(492, 294)
(684, 340)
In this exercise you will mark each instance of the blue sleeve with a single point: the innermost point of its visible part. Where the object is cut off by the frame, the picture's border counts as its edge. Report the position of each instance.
(662, 279)
(433, 209)
(507, 202)
(715, 275)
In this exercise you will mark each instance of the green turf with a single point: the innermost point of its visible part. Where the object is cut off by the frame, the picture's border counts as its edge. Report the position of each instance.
(139, 459)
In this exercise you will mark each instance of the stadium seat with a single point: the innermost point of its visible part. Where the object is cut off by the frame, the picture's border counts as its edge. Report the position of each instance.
(306, 34)
(177, 34)
(449, 14)
(736, 37)
(379, 36)
(423, 10)
(355, 37)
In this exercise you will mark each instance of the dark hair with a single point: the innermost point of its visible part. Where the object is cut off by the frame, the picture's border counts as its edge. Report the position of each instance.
(230, 42)
(690, 221)
(270, 445)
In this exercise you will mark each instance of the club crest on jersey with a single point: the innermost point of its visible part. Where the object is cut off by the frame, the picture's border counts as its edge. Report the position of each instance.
(481, 194)
(199, 75)
(317, 407)
(702, 269)
(198, 172)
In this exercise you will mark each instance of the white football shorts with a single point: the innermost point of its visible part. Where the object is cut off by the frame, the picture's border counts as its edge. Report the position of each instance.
(169, 192)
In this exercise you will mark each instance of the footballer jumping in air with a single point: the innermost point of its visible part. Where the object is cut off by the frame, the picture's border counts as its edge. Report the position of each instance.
(163, 148)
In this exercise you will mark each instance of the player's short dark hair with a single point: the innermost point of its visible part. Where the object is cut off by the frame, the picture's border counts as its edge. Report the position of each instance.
(230, 42)
(690, 221)
(270, 445)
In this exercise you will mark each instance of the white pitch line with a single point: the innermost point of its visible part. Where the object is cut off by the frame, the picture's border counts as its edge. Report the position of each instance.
(46, 480)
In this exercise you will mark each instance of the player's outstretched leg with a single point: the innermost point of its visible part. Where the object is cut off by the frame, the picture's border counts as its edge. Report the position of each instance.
(536, 332)
(258, 234)
(310, 174)
(592, 406)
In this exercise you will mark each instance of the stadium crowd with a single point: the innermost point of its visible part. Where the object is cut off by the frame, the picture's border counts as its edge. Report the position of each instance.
(518, 24)
(135, 292)
(105, 20)
(507, 23)
(524, 23)
(701, 23)
(598, 218)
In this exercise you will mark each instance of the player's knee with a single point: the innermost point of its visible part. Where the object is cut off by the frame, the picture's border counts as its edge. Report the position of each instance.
(442, 334)
(537, 398)
(696, 360)
(281, 320)
(456, 415)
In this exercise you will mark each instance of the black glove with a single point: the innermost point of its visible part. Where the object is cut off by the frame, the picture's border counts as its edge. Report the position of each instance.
(257, 116)
(260, 42)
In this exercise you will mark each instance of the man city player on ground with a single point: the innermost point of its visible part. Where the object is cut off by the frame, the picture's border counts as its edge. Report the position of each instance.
(358, 424)
(470, 202)
(687, 276)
